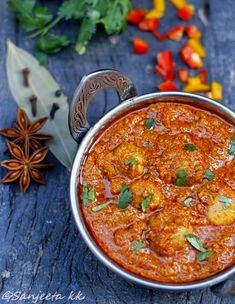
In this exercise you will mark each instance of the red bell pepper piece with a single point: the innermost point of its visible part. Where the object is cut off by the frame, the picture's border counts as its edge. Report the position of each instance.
(203, 76)
(168, 85)
(170, 75)
(190, 57)
(136, 15)
(192, 31)
(186, 12)
(183, 75)
(159, 36)
(140, 46)
(176, 33)
(149, 25)
(165, 60)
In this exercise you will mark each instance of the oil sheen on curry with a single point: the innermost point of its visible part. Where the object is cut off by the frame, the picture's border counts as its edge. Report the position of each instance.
(157, 192)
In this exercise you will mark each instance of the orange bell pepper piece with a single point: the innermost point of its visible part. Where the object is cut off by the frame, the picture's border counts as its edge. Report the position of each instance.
(168, 85)
(186, 12)
(192, 31)
(140, 46)
(203, 76)
(183, 75)
(176, 33)
(136, 15)
(159, 5)
(189, 56)
(197, 47)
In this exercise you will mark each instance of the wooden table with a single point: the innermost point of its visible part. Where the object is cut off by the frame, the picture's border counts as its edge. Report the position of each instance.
(41, 249)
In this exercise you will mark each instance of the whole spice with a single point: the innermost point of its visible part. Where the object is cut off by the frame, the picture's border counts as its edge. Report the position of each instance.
(55, 107)
(33, 99)
(24, 167)
(25, 73)
(26, 134)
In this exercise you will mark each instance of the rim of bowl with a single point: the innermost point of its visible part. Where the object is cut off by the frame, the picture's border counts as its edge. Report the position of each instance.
(87, 237)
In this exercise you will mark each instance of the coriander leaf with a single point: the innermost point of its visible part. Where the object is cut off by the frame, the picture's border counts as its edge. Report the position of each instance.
(74, 9)
(195, 242)
(29, 15)
(208, 174)
(123, 187)
(87, 29)
(50, 43)
(124, 197)
(87, 195)
(131, 161)
(41, 57)
(115, 20)
(101, 206)
(145, 202)
(188, 201)
(138, 245)
(204, 255)
(181, 178)
(226, 200)
(232, 147)
(190, 147)
(150, 123)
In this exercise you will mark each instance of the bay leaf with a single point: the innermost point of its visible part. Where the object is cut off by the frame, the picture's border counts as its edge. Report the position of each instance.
(44, 86)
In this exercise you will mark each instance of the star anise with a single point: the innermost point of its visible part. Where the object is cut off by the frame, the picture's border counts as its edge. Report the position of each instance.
(26, 134)
(24, 167)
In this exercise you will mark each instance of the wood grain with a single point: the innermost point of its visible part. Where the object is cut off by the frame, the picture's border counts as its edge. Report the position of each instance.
(41, 249)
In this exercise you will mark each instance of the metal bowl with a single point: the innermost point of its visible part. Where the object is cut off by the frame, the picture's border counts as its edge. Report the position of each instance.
(79, 127)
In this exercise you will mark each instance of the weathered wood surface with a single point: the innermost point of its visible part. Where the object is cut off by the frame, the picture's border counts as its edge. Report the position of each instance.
(40, 248)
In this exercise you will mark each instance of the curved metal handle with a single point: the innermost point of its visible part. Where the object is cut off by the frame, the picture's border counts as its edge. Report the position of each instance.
(88, 87)
(224, 289)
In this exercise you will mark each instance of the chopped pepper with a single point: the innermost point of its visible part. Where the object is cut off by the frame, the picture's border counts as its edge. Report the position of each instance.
(159, 5)
(194, 80)
(189, 56)
(149, 25)
(178, 3)
(170, 75)
(186, 12)
(201, 87)
(154, 14)
(216, 91)
(203, 76)
(176, 33)
(168, 85)
(183, 75)
(140, 46)
(197, 47)
(165, 60)
(159, 36)
(192, 31)
(136, 15)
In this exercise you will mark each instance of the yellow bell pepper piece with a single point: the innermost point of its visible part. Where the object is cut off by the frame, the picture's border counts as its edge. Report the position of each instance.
(154, 14)
(216, 91)
(194, 80)
(196, 88)
(197, 47)
(178, 3)
(159, 5)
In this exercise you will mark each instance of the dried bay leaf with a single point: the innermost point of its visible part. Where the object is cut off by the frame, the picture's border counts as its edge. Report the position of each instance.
(44, 86)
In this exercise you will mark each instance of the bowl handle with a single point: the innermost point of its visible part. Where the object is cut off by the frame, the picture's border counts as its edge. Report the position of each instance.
(226, 288)
(88, 87)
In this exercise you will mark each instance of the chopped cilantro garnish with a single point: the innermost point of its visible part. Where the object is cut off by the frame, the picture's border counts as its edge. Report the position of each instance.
(138, 245)
(145, 202)
(190, 147)
(181, 178)
(150, 123)
(208, 174)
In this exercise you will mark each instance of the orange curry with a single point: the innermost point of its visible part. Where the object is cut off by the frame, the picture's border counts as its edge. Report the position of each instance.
(157, 192)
